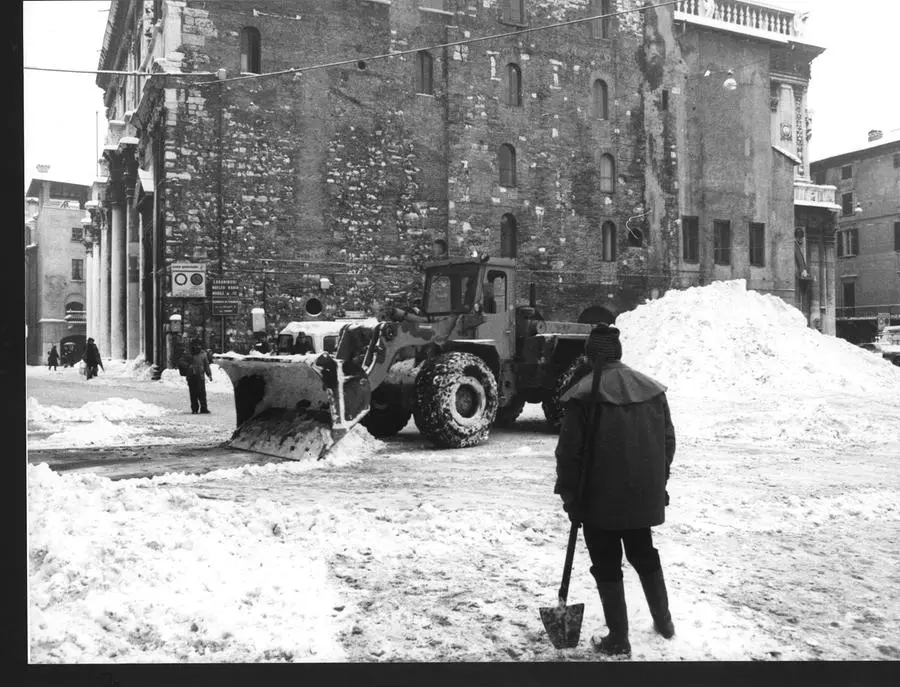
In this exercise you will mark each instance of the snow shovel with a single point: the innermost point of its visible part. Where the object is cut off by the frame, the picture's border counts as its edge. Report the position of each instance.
(562, 622)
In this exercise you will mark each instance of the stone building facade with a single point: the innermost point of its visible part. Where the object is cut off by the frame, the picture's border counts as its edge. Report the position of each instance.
(56, 278)
(867, 277)
(600, 154)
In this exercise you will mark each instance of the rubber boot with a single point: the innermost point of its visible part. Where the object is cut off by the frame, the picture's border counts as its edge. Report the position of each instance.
(658, 600)
(612, 596)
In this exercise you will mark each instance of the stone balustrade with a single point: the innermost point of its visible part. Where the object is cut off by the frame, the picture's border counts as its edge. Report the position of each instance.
(746, 17)
(815, 194)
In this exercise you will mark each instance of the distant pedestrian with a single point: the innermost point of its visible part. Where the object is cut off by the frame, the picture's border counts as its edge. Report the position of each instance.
(195, 364)
(91, 359)
(627, 461)
(52, 358)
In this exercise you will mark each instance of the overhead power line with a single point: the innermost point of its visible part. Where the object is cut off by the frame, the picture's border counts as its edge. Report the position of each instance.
(356, 60)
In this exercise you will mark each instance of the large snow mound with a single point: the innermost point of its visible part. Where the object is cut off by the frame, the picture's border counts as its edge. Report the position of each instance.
(744, 366)
(724, 339)
(125, 572)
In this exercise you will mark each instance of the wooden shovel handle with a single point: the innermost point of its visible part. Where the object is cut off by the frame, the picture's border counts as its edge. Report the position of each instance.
(567, 569)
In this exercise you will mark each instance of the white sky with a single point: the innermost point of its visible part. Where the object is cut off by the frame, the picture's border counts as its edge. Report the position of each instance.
(854, 83)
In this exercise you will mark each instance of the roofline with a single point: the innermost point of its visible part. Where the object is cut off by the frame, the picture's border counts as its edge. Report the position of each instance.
(859, 152)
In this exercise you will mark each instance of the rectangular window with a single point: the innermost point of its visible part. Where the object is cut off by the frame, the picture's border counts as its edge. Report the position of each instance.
(848, 243)
(896, 160)
(896, 235)
(514, 11)
(665, 99)
(847, 204)
(847, 172)
(77, 269)
(77, 233)
(849, 298)
(722, 242)
(757, 244)
(606, 7)
(133, 269)
(690, 239)
(839, 244)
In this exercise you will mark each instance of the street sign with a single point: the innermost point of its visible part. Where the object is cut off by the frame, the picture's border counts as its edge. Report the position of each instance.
(224, 289)
(188, 280)
(222, 308)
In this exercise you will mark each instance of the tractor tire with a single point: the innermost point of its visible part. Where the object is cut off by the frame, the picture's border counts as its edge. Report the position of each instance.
(506, 416)
(554, 410)
(456, 400)
(386, 415)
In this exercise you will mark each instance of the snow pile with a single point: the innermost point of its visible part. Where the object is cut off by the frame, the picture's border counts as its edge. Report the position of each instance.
(112, 409)
(356, 447)
(121, 571)
(220, 382)
(721, 344)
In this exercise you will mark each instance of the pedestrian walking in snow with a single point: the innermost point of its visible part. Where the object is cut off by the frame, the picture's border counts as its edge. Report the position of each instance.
(630, 451)
(52, 358)
(195, 365)
(91, 359)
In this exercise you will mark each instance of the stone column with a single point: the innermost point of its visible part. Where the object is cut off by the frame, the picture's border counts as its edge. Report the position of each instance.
(132, 296)
(118, 261)
(103, 331)
(88, 284)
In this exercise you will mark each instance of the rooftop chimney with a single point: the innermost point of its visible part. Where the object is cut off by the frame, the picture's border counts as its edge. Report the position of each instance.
(875, 134)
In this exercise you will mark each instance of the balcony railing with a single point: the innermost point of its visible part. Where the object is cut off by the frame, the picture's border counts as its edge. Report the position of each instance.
(815, 195)
(747, 17)
(76, 316)
(866, 312)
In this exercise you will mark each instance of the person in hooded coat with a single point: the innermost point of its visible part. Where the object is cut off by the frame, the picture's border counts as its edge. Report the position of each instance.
(52, 358)
(628, 456)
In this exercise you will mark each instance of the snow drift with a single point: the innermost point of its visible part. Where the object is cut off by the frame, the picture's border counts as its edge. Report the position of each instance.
(744, 365)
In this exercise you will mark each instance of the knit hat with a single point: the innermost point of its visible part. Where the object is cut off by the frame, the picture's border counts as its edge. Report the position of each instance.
(603, 344)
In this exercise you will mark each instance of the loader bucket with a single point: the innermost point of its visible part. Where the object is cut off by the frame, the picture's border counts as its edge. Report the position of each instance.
(293, 407)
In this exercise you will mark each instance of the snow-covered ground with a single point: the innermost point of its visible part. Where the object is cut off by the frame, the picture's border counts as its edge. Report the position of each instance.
(780, 541)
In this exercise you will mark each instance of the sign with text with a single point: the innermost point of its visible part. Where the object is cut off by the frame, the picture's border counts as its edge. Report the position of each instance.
(224, 289)
(223, 308)
(188, 280)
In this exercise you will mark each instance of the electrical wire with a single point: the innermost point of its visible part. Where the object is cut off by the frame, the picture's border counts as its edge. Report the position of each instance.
(357, 60)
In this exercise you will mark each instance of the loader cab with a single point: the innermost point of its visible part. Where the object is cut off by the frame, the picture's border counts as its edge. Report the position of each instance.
(451, 287)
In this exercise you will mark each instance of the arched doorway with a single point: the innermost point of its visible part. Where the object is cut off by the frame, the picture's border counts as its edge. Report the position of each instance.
(508, 238)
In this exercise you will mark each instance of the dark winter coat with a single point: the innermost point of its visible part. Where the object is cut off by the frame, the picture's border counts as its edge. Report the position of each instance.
(53, 357)
(196, 364)
(632, 450)
(91, 355)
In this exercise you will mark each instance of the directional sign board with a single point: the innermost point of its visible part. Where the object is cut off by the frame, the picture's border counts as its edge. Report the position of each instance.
(188, 280)
(222, 308)
(224, 289)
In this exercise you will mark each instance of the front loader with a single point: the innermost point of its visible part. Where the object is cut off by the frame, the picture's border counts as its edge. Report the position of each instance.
(469, 358)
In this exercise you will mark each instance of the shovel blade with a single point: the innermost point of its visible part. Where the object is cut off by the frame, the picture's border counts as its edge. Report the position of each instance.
(563, 624)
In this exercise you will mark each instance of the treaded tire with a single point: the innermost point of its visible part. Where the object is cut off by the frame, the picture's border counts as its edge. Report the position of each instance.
(506, 416)
(456, 400)
(386, 415)
(554, 411)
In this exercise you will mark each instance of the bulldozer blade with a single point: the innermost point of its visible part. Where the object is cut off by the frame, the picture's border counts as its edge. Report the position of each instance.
(563, 624)
(293, 408)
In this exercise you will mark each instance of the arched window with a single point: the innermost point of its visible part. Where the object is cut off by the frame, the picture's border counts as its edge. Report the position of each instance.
(608, 242)
(508, 241)
(250, 62)
(424, 72)
(513, 85)
(601, 100)
(507, 160)
(607, 174)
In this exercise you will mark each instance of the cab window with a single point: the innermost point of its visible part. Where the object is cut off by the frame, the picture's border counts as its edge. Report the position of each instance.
(495, 297)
